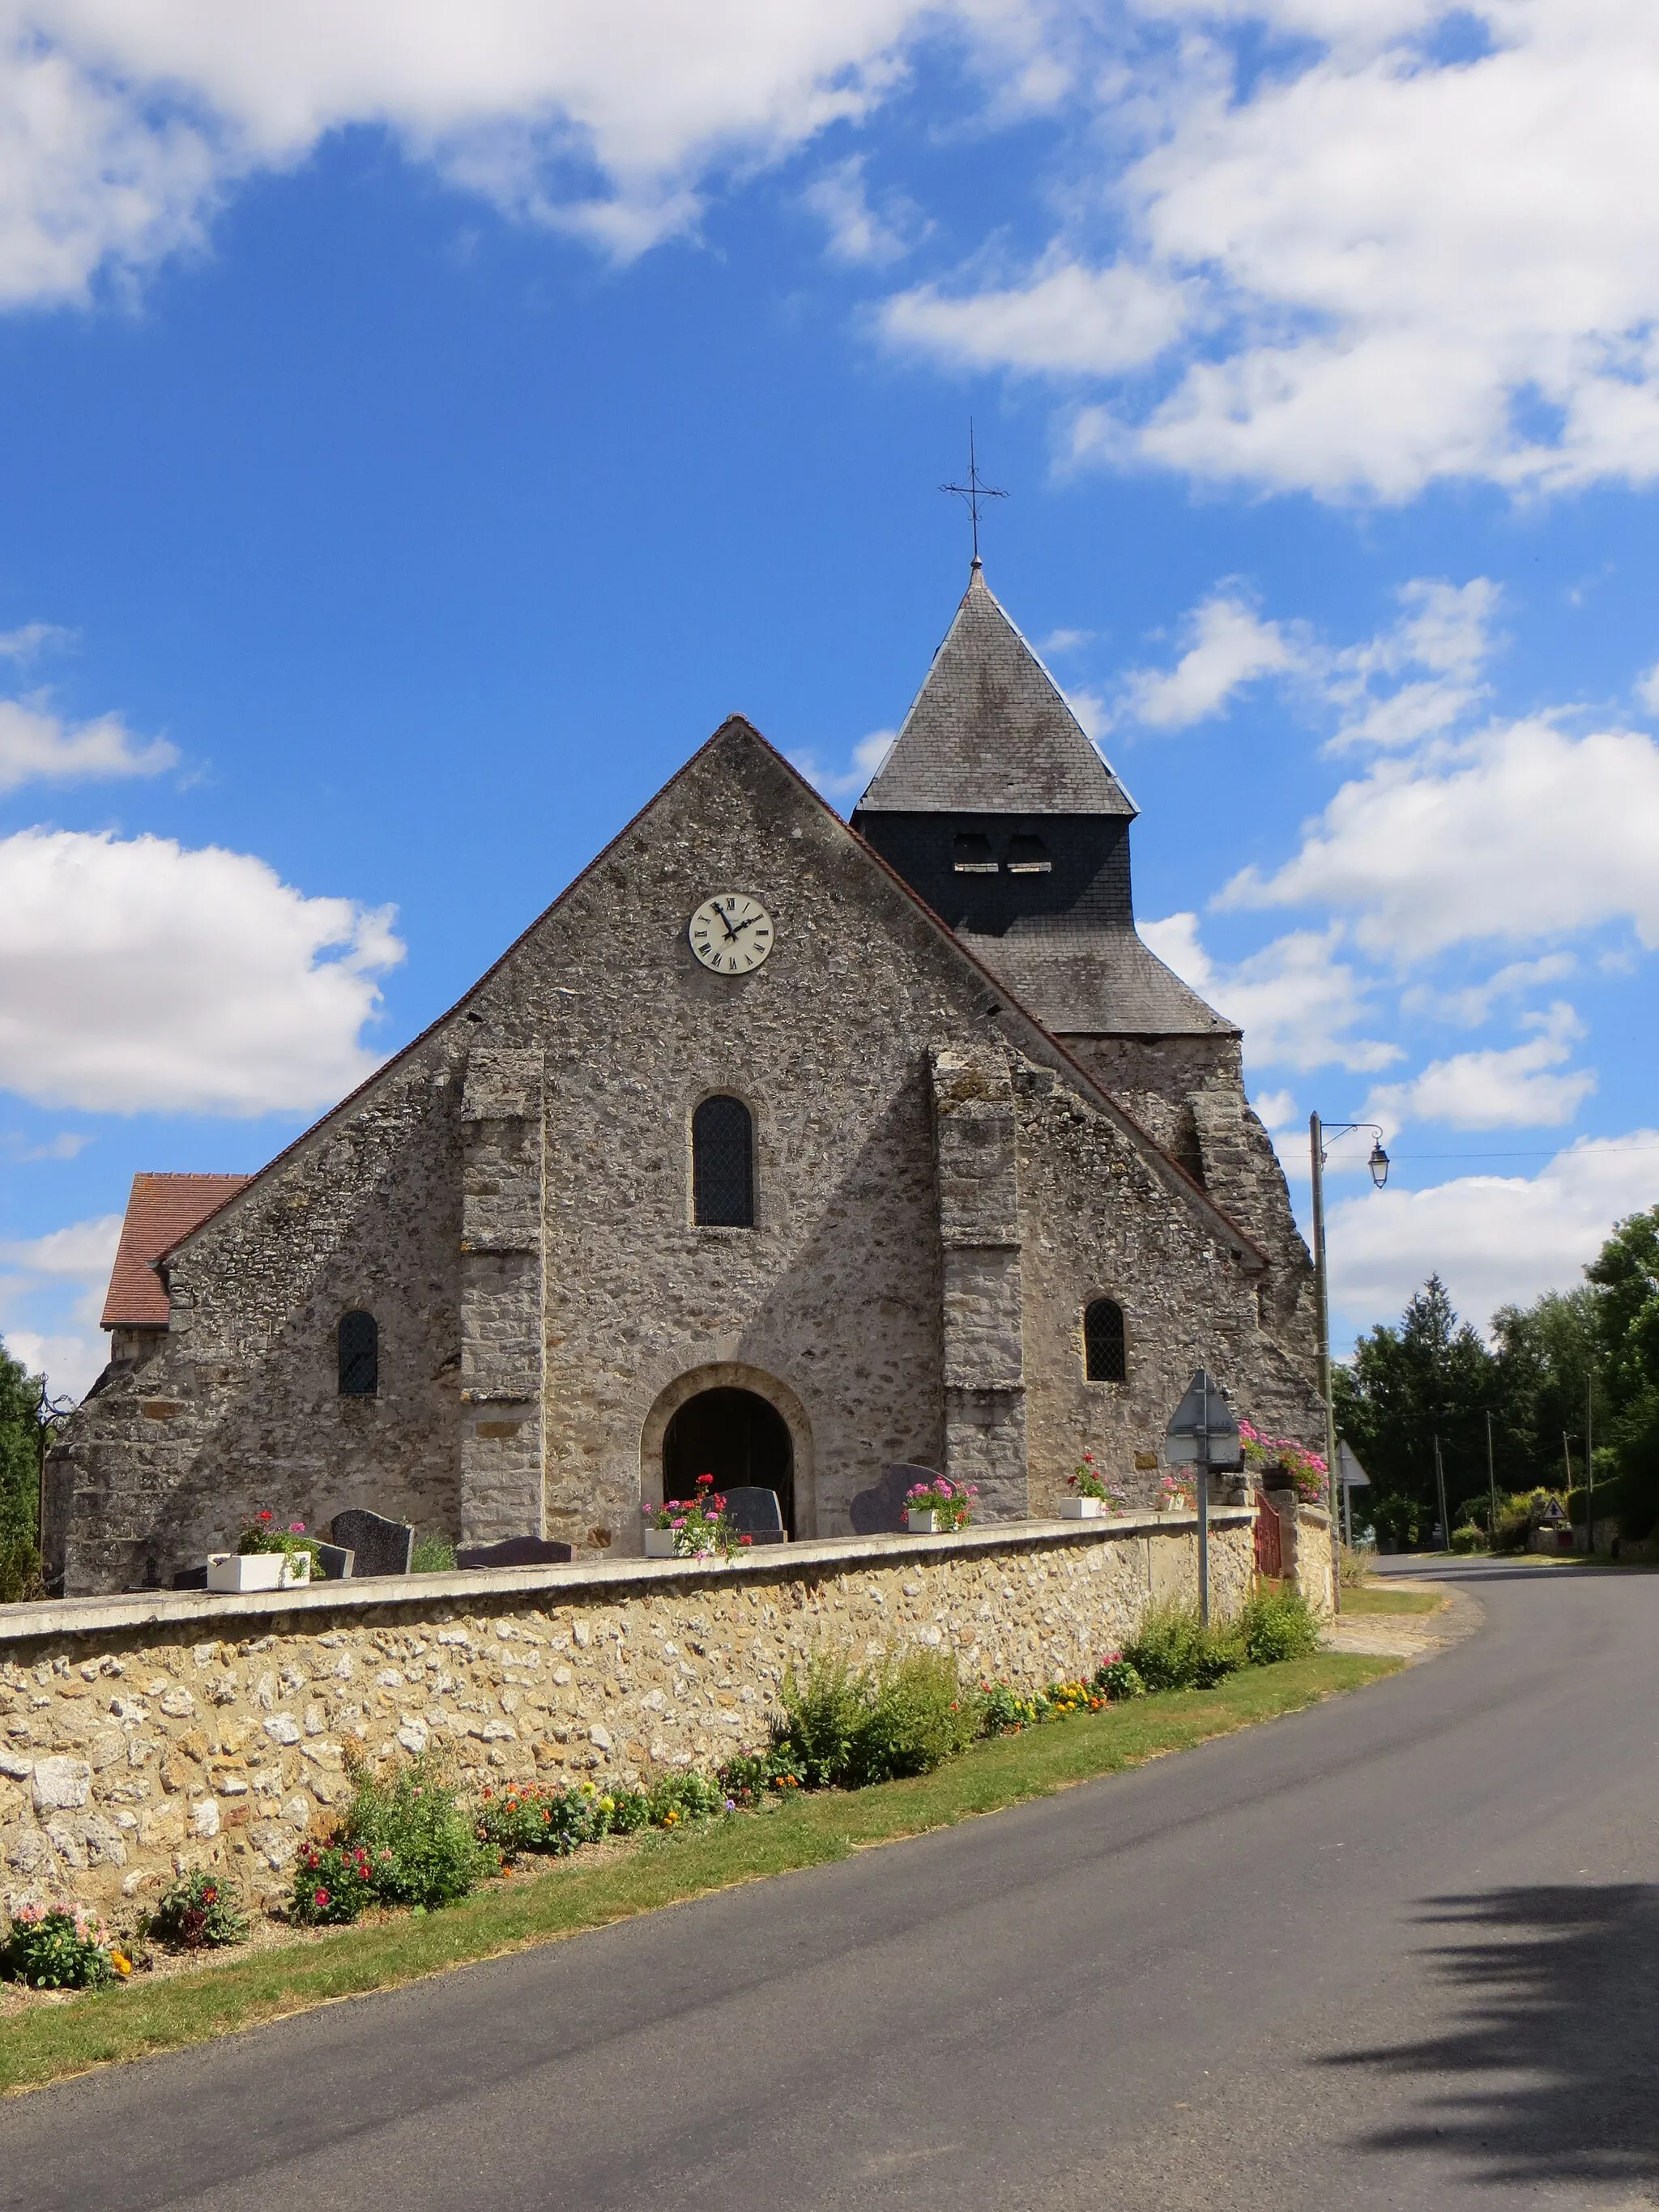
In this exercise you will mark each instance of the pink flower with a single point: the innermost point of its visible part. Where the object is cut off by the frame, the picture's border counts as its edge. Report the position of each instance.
(296, 1527)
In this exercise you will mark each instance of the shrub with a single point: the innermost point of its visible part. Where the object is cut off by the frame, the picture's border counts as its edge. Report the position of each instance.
(847, 1726)
(332, 1883)
(690, 1796)
(628, 1811)
(1277, 1624)
(526, 1817)
(919, 1717)
(432, 1555)
(1468, 1538)
(1354, 1563)
(825, 1706)
(1117, 1679)
(1173, 1649)
(750, 1777)
(199, 1913)
(407, 1841)
(62, 1947)
(1004, 1711)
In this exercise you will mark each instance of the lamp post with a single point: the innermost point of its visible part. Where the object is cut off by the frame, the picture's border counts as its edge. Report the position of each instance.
(1378, 1164)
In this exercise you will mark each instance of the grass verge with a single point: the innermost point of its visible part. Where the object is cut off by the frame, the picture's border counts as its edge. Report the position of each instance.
(47, 2043)
(1370, 1597)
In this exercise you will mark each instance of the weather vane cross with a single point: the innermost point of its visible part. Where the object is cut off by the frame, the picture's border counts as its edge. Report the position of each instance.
(973, 490)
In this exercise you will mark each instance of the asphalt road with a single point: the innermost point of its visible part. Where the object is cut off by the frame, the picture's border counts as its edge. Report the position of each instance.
(1400, 1951)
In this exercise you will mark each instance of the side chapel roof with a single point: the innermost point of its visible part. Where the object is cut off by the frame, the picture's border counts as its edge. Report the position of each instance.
(160, 1209)
(989, 732)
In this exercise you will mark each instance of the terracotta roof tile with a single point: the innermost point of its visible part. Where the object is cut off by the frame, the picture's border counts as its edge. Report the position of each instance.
(160, 1209)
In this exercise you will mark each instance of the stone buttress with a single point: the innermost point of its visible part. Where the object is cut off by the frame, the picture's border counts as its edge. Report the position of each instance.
(502, 1334)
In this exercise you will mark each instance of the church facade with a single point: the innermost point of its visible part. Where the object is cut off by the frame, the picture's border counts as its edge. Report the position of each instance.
(776, 1146)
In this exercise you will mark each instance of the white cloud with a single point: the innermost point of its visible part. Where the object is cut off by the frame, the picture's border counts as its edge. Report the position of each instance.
(1494, 1239)
(141, 976)
(36, 746)
(1295, 1000)
(1230, 647)
(1516, 1089)
(858, 235)
(67, 1144)
(868, 754)
(124, 123)
(1517, 834)
(1400, 267)
(1473, 1004)
(59, 1281)
(32, 638)
(1446, 628)
(1647, 690)
(1276, 1109)
(1062, 321)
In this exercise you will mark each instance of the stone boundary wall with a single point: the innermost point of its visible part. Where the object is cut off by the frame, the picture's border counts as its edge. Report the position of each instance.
(1304, 1549)
(143, 1735)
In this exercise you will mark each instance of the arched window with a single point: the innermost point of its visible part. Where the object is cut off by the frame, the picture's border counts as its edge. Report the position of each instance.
(360, 1355)
(1104, 1356)
(723, 1164)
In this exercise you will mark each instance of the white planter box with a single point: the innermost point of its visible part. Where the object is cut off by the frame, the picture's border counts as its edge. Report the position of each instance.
(925, 1523)
(240, 1570)
(256, 1571)
(1081, 1509)
(660, 1543)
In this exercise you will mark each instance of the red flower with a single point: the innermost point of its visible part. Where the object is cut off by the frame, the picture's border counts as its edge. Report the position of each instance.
(265, 1513)
(321, 1900)
(746, 1539)
(701, 1478)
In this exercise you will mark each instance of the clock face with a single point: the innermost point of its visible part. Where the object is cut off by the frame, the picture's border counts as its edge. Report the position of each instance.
(731, 932)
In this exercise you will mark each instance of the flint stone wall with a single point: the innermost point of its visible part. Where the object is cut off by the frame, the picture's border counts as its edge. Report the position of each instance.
(142, 1736)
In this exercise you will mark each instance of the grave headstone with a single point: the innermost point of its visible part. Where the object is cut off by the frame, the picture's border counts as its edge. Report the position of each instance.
(514, 1551)
(381, 1547)
(190, 1577)
(335, 1562)
(879, 1511)
(756, 1513)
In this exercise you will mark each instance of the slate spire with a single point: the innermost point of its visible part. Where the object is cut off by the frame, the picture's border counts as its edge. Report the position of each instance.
(989, 732)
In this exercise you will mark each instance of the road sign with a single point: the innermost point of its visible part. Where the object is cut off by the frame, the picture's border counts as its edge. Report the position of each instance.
(1349, 1472)
(1202, 1432)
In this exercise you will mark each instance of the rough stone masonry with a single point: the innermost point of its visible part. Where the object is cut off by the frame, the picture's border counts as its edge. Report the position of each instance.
(142, 1736)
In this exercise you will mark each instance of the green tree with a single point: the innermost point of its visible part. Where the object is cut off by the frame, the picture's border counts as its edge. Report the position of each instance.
(1432, 1376)
(1547, 1352)
(19, 1561)
(1626, 1278)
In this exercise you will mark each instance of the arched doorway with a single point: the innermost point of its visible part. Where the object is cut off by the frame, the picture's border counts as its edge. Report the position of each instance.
(737, 1436)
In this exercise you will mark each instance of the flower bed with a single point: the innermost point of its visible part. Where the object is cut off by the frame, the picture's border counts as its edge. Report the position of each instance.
(1305, 1472)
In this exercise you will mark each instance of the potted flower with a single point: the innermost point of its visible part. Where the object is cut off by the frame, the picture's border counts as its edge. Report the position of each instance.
(1303, 1471)
(1092, 1497)
(695, 1527)
(1174, 1494)
(936, 1508)
(267, 1557)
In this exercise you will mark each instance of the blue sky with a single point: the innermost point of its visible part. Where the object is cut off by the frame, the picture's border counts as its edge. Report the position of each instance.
(422, 426)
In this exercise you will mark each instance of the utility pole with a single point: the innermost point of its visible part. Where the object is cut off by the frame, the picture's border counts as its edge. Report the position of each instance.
(1492, 1486)
(1440, 1486)
(1378, 1165)
(1590, 1467)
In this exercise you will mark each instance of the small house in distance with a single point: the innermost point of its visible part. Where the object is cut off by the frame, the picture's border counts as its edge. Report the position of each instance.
(775, 1148)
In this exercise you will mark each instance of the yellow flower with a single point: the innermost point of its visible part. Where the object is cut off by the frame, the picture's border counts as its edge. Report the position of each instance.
(121, 1963)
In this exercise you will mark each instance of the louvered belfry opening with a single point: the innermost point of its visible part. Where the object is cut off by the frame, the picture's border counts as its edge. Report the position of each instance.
(723, 1164)
(1104, 1359)
(360, 1356)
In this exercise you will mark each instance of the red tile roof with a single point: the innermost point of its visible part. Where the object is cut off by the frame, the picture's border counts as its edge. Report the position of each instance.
(161, 1210)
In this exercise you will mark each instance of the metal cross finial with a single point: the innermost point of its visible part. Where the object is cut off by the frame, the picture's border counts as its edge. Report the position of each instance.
(973, 490)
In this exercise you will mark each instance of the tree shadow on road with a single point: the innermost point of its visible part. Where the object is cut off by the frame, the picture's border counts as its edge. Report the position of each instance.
(1548, 2071)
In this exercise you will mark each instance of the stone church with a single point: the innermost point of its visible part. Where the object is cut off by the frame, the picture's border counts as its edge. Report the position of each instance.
(776, 1147)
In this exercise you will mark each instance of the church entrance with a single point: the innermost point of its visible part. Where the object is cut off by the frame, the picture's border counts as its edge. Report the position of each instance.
(736, 1436)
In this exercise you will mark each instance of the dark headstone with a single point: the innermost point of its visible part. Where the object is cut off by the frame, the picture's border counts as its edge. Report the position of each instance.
(190, 1577)
(879, 1511)
(382, 1547)
(334, 1563)
(756, 1513)
(514, 1551)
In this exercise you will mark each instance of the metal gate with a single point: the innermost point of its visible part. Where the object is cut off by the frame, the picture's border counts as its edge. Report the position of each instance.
(1269, 1548)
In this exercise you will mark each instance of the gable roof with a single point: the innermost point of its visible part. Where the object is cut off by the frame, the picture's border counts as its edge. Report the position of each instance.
(160, 1209)
(738, 727)
(989, 732)
(1099, 983)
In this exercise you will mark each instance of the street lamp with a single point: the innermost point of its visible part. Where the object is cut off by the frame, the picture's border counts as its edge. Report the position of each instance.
(1378, 1165)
